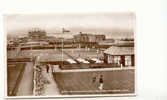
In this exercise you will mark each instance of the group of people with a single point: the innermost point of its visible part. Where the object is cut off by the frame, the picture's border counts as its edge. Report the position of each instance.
(100, 81)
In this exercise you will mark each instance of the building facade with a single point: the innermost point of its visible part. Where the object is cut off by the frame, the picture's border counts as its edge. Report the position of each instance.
(83, 37)
(120, 56)
(36, 34)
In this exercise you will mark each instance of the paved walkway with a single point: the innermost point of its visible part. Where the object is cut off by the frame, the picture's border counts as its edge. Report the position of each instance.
(92, 69)
(51, 89)
(26, 84)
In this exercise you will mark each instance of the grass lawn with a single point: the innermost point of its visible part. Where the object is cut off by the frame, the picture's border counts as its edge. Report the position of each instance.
(117, 81)
(13, 76)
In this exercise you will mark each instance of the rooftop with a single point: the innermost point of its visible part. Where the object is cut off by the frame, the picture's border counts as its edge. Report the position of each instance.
(114, 50)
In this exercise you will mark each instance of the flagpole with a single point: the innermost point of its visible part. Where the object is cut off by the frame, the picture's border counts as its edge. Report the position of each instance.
(62, 49)
(62, 45)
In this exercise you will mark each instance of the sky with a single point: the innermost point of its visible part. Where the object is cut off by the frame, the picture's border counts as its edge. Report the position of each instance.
(113, 25)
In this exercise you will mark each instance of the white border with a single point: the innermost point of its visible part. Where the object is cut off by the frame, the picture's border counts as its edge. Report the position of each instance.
(71, 96)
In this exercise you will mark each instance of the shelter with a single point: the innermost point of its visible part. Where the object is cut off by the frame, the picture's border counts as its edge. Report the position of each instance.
(120, 56)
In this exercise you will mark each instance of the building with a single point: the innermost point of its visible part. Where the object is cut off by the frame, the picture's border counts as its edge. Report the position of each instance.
(84, 37)
(106, 43)
(36, 34)
(120, 56)
(124, 42)
(41, 43)
(100, 38)
(81, 37)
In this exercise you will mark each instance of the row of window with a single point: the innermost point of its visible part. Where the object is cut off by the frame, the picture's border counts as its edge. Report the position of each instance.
(117, 60)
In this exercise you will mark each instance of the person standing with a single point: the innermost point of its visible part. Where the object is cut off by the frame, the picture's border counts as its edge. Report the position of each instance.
(101, 82)
(47, 68)
(94, 79)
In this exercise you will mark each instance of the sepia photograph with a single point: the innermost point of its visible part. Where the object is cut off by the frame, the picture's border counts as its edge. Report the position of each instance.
(70, 54)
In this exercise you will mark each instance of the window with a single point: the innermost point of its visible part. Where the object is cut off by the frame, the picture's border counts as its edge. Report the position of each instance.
(110, 59)
(117, 60)
(128, 61)
(114, 59)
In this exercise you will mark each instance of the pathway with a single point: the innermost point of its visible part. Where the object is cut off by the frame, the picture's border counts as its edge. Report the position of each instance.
(51, 89)
(92, 69)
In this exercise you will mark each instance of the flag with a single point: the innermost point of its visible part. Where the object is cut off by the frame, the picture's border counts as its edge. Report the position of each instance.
(64, 30)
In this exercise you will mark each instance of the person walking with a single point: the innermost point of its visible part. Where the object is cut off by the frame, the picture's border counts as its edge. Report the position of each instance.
(101, 82)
